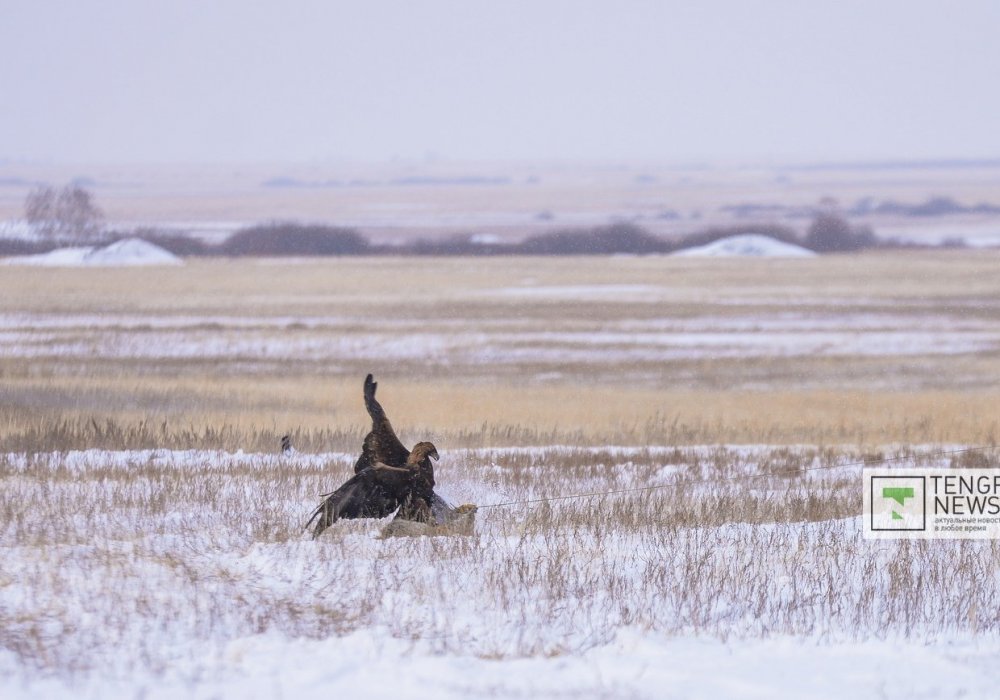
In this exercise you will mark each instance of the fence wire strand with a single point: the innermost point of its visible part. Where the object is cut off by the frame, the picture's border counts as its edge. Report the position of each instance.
(736, 477)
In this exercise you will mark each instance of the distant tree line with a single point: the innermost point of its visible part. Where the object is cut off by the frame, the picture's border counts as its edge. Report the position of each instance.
(866, 206)
(827, 234)
(69, 215)
(934, 206)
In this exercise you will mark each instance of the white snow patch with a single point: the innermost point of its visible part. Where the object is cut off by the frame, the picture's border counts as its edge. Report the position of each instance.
(60, 257)
(126, 252)
(749, 245)
(338, 339)
(131, 251)
(580, 291)
(485, 239)
(635, 664)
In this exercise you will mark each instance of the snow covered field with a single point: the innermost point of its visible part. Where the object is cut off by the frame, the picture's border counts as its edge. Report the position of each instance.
(151, 540)
(482, 342)
(156, 573)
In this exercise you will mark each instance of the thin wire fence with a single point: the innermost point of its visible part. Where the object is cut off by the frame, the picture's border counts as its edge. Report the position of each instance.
(737, 477)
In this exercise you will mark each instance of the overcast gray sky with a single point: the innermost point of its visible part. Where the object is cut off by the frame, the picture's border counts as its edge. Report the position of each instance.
(706, 80)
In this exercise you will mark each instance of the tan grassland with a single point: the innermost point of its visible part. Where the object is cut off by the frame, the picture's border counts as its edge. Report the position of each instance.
(505, 351)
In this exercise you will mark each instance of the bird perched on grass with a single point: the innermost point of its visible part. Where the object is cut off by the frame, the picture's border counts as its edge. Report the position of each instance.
(387, 478)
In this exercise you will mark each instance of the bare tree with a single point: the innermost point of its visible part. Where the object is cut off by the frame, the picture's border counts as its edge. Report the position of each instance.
(40, 209)
(66, 214)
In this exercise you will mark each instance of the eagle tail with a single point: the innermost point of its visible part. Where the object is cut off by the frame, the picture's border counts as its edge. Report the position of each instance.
(371, 403)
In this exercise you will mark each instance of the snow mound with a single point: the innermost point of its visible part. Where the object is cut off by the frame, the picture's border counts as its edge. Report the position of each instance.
(126, 252)
(131, 251)
(61, 257)
(749, 245)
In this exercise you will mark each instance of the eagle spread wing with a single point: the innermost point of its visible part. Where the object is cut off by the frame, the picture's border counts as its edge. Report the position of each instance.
(375, 492)
(387, 477)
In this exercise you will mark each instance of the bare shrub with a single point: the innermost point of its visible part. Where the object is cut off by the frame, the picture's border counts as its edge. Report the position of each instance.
(290, 238)
(19, 246)
(65, 214)
(832, 233)
(602, 240)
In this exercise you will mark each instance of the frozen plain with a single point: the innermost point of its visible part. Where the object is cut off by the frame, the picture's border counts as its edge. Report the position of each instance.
(164, 574)
(186, 573)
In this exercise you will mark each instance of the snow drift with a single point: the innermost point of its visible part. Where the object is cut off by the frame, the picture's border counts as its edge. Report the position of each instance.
(749, 245)
(126, 252)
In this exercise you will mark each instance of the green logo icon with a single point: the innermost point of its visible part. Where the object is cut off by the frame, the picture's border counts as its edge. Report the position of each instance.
(899, 494)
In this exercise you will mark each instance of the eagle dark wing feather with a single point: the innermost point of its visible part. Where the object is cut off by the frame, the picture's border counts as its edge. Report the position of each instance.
(387, 478)
(372, 493)
(381, 444)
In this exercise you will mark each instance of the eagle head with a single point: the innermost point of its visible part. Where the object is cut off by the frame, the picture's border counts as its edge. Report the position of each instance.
(421, 451)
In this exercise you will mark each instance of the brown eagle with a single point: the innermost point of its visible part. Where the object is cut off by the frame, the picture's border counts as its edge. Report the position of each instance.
(387, 477)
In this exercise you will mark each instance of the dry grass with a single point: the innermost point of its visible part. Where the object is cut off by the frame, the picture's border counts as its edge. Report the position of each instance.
(910, 281)
(331, 417)
(859, 350)
(135, 562)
